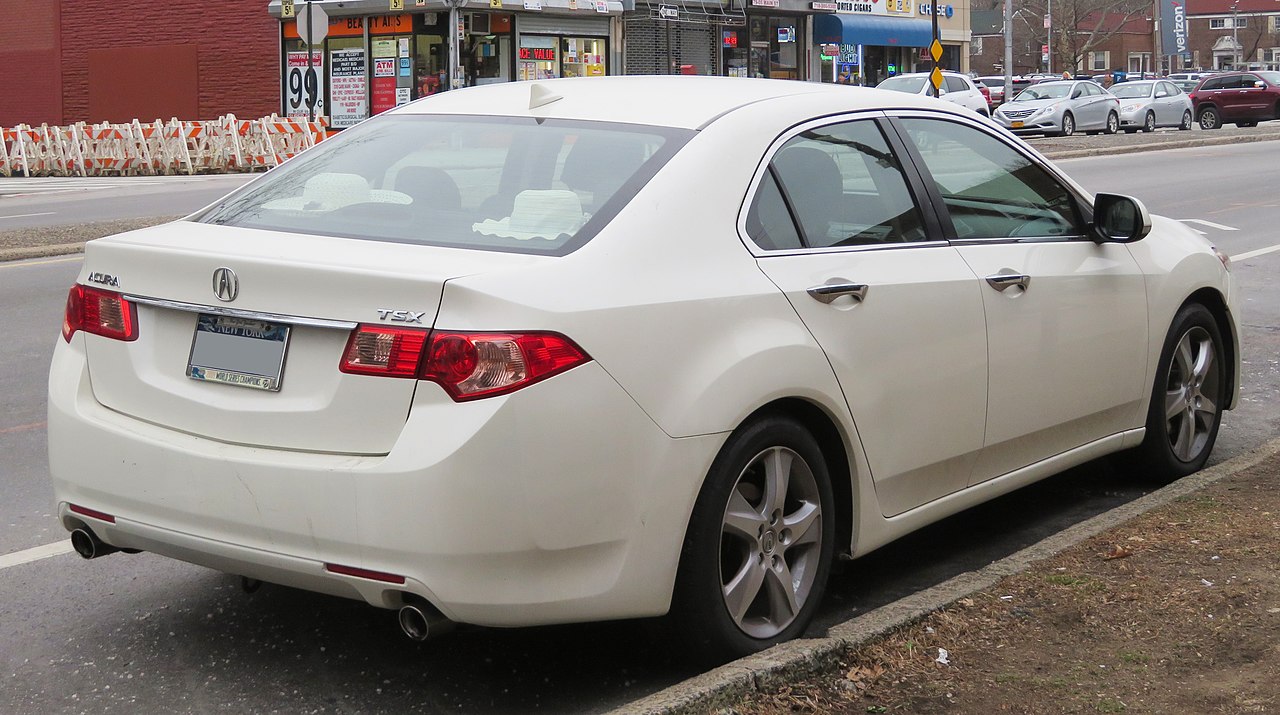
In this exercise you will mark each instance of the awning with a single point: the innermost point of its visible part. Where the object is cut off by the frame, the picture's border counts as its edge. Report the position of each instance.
(871, 30)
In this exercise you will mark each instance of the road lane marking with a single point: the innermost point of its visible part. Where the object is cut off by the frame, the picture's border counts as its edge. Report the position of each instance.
(1254, 254)
(22, 428)
(42, 213)
(1210, 224)
(20, 264)
(18, 558)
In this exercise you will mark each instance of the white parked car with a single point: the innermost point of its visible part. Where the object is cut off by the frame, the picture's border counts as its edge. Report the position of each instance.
(956, 88)
(1149, 104)
(1061, 108)
(607, 348)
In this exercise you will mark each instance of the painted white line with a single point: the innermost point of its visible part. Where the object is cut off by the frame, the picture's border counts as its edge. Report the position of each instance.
(20, 264)
(42, 213)
(1254, 254)
(1210, 224)
(18, 558)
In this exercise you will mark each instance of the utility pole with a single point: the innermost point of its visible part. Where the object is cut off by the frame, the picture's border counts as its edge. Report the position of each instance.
(1048, 37)
(456, 31)
(935, 47)
(1008, 50)
(1235, 36)
(311, 72)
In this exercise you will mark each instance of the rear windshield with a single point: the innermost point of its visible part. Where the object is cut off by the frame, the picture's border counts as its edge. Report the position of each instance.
(512, 184)
(910, 85)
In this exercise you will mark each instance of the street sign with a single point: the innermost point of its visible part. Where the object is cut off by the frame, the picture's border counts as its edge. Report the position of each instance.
(935, 50)
(286, 8)
(936, 78)
(313, 24)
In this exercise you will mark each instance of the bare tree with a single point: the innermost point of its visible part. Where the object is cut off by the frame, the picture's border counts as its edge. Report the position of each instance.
(1079, 26)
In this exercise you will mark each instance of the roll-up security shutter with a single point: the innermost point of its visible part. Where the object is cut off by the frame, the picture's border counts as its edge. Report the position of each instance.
(531, 24)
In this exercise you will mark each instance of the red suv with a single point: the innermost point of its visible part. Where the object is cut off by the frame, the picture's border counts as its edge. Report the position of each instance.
(1244, 98)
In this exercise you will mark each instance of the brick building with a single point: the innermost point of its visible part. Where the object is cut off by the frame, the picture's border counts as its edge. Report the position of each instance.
(76, 60)
(1223, 33)
(1127, 44)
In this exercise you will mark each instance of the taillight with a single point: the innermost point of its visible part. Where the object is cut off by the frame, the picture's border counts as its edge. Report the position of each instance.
(470, 366)
(384, 351)
(100, 312)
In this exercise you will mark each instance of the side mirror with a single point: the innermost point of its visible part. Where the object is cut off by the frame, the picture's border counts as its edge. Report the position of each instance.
(1118, 218)
(1260, 84)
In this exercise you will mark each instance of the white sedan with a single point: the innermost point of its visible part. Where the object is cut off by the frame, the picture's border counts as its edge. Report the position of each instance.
(607, 348)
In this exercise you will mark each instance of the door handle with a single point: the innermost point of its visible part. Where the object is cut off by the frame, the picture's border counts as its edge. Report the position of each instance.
(829, 292)
(1005, 281)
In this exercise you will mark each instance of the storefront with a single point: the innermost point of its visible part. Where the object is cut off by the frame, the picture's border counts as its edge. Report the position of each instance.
(858, 46)
(772, 44)
(369, 63)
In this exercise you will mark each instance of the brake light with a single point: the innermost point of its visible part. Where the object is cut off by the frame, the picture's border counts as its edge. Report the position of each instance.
(470, 366)
(384, 351)
(100, 312)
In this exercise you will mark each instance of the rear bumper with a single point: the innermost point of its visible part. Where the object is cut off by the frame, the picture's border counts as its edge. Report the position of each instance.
(561, 502)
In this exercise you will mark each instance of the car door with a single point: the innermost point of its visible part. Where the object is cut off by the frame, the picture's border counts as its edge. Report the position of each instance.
(1226, 94)
(836, 224)
(962, 93)
(1253, 98)
(1167, 108)
(1066, 317)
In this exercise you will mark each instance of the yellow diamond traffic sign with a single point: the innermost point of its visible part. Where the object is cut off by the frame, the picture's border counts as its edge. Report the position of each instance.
(935, 50)
(936, 77)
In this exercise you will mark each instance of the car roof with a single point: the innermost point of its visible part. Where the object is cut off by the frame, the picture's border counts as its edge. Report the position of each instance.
(680, 101)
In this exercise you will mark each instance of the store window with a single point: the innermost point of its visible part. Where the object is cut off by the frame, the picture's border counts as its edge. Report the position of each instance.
(430, 55)
(486, 51)
(549, 57)
(775, 43)
(734, 47)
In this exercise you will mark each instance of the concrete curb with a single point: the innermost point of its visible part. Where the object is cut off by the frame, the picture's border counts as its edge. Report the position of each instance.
(799, 658)
(1160, 146)
(27, 252)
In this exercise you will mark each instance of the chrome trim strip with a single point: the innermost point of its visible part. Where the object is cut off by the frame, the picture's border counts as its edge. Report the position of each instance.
(761, 253)
(1023, 239)
(237, 313)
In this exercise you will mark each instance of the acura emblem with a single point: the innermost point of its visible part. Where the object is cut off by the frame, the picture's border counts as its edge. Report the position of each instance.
(225, 284)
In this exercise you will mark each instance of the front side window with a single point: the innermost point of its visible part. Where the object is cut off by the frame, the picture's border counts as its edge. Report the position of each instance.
(843, 186)
(990, 189)
(495, 183)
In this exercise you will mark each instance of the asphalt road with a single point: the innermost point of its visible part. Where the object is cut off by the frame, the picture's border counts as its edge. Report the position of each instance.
(35, 202)
(145, 634)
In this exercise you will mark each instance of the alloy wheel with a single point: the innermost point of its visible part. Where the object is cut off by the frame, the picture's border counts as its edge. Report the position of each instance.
(1150, 124)
(1192, 394)
(770, 542)
(1186, 120)
(1113, 123)
(1068, 125)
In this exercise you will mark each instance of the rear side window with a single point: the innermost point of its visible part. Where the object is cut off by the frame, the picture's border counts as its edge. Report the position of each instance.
(956, 84)
(843, 186)
(496, 183)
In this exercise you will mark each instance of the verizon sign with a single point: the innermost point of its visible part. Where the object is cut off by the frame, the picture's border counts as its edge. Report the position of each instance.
(1173, 27)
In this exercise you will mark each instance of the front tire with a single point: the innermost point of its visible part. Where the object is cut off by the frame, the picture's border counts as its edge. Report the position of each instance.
(760, 542)
(1187, 398)
(1149, 123)
(1068, 125)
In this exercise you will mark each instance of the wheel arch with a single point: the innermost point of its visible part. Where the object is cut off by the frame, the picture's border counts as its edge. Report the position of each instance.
(1213, 300)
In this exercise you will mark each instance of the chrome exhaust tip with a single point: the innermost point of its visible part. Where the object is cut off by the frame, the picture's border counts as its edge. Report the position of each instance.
(420, 621)
(414, 623)
(88, 545)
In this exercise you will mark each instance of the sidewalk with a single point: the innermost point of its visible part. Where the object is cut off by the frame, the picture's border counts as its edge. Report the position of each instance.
(1175, 610)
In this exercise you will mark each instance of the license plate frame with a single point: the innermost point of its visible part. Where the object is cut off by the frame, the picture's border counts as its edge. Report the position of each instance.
(1017, 124)
(242, 352)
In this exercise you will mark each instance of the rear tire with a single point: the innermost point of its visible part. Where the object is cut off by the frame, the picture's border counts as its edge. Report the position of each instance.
(1210, 118)
(1186, 121)
(1113, 123)
(1187, 398)
(759, 545)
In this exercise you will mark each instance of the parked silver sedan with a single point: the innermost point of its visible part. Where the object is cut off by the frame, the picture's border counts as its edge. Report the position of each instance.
(1061, 108)
(1149, 104)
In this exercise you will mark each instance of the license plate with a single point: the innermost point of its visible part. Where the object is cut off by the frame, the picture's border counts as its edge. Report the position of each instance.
(1016, 124)
(238, 351)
